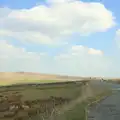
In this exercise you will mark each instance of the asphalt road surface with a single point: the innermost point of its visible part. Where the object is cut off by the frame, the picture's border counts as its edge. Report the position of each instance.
(107, 109)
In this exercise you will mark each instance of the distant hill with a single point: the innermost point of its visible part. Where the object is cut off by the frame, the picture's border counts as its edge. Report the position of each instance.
(23, 77)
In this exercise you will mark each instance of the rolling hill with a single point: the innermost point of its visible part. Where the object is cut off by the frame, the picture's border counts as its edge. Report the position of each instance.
(26, 77)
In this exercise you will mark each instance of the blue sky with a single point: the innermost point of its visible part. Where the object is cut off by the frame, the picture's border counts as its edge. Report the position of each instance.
(19, 4)
(103, 41)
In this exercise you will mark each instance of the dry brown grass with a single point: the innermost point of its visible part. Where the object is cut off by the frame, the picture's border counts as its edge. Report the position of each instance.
(17, 77)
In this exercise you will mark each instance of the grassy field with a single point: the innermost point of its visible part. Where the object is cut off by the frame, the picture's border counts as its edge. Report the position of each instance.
(71, 91)
(4, 83)
(39, 81)
(30, 93)
(68, 91)
(7, 78)
(41, 92)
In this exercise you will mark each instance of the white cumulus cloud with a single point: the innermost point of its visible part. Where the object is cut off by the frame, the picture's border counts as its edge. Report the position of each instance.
(14, 58)
(48, 25)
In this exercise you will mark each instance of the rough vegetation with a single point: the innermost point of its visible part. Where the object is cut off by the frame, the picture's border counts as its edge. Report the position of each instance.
(36, 101)
(54, 101)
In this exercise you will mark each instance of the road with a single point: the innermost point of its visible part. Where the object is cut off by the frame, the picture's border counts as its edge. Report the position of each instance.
(107, 109)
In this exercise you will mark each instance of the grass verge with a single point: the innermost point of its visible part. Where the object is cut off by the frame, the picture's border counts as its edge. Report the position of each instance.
(79, 112)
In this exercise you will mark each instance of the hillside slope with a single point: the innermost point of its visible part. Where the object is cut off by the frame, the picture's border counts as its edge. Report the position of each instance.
(18, 77)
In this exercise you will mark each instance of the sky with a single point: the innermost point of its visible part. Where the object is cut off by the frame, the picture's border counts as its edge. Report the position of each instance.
(69, 37)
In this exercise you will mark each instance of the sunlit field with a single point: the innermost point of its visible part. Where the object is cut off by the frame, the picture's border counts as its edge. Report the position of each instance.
(28, 81)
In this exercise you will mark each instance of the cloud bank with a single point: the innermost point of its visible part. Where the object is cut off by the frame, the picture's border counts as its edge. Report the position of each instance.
(76, 60)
